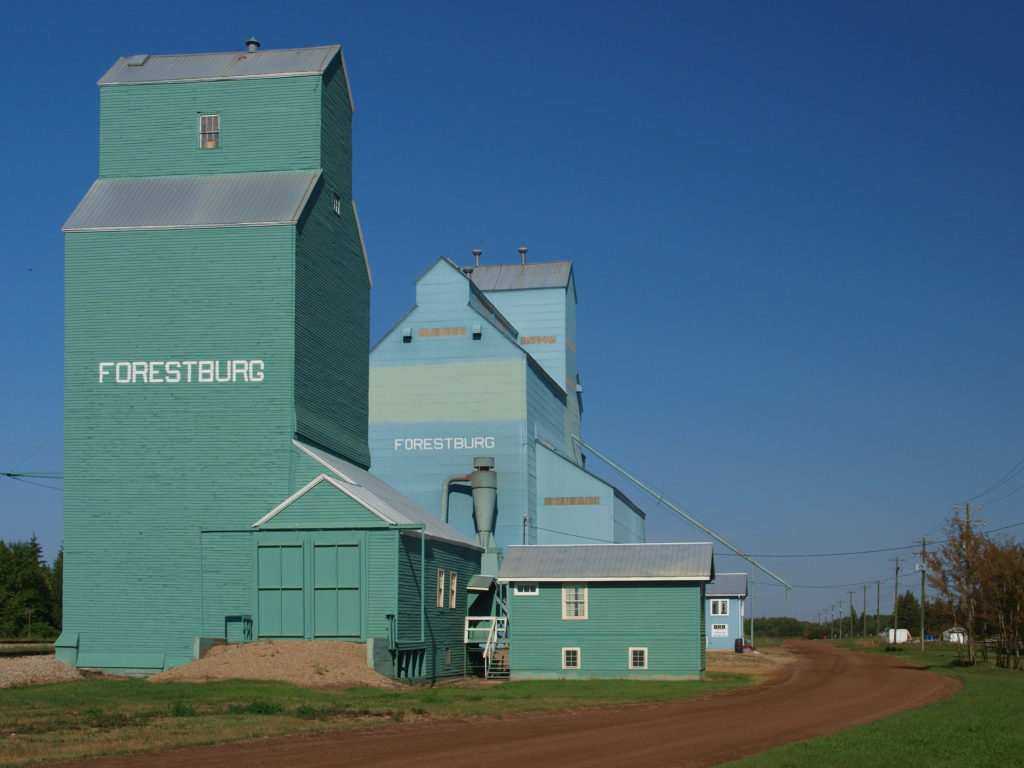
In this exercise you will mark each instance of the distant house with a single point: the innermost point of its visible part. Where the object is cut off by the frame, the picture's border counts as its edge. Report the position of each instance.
(607, 611)
(724, 600)
(954, 635)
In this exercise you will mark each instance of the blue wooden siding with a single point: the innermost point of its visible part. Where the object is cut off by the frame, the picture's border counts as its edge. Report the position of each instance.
(663, 617)
(733, 623)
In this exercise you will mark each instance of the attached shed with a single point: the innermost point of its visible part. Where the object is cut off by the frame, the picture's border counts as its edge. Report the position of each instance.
(607, 611)
(725, 600)
(345, 557)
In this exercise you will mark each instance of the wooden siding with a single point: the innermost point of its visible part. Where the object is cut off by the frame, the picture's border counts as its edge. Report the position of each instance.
(268, 124)
(147, 465)
(332, 297)
(664, 617)
(324, 506)
(227, 578)
(443, 627)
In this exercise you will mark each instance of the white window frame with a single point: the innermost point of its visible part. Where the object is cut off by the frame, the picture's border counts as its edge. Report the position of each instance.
(336, 204)
(579, 658)
(583, 602)
(719, 607)
(440, 587)
(630, 658)
(453, 580)
(213, 121)
(526, 589)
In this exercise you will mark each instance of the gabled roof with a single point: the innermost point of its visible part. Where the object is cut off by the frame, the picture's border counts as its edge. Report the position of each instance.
(133, 70)
(608, 562)
(381, 499)
(173, 202)
(509, 277)
(728, 585)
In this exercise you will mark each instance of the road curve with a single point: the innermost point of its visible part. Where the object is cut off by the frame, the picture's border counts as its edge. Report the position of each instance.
(826, 689)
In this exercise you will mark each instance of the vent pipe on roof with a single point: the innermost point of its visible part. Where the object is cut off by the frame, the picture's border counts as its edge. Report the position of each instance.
(522, 255)
(252, 44)
(476, 255)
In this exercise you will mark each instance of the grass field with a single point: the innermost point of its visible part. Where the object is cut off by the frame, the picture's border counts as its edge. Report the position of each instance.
(96, 717)
(981, 726)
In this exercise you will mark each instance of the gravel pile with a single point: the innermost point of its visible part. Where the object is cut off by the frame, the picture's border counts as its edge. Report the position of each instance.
(35, 670)
(308, 663)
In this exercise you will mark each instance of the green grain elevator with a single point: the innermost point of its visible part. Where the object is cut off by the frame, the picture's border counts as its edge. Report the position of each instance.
(216, 373)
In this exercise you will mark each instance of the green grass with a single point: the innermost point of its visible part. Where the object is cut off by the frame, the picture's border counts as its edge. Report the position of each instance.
(982, 725)
(96, 717)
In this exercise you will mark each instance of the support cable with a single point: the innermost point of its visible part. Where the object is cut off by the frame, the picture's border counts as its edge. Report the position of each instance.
(662, 500)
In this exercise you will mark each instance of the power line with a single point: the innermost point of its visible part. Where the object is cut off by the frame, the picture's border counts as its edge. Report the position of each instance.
(1015, 470)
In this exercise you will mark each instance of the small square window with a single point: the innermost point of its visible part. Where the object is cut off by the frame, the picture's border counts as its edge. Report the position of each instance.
(526, 589)
(638, 658)
(570, 658)
(453, 579)
(209, 131)
(440, 588)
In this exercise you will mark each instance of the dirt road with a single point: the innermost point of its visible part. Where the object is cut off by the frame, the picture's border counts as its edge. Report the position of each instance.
(826, 689)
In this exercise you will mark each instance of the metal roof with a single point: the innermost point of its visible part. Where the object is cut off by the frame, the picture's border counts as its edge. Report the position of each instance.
(480, 583)
(380, 498)
(510, 277)
(134, 70)
(608, 562)
(171, 202)
(728, 585)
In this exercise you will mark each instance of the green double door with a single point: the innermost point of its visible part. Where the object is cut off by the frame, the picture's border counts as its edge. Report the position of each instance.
(310, 586)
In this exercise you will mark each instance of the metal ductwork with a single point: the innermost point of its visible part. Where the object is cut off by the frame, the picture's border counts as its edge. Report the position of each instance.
(484, 487)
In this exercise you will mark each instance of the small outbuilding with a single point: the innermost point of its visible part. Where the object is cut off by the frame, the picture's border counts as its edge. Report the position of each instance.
(607, 611)
(725, 598)
(954, 635)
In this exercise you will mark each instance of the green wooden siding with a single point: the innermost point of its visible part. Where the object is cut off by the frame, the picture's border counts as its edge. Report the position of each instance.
(663, 617)
(324, 506)
(268, 124)
(150, 466)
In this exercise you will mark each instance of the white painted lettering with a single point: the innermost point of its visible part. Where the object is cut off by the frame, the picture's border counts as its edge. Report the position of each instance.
(104, 372)
(189, 365)
(254, 374)
(155, 375)
(173, 371)
(126, 377)
(205, 371)
(239, 368)
(444, 443)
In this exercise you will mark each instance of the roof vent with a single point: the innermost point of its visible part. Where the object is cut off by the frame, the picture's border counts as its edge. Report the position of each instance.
(252, 44)
(476, 255)
(522, 255)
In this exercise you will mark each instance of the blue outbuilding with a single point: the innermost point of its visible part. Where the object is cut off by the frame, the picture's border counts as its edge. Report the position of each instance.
(725, 598)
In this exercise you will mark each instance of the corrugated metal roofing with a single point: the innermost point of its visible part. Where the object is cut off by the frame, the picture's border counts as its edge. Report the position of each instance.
(480, 583)
(170, 202)
(608, 562)
(510, 277)
(728, 585)
(379, 497)
(219, 66)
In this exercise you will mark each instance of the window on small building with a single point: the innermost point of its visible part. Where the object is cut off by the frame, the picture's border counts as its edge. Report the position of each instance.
(574, 601)
(440, 588)
(526, 589)
(638, 658)
(453, 579)
(209, 131)
(719, 607)
(570, 658)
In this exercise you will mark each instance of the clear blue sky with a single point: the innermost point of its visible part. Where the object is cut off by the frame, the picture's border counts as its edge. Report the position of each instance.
(797, 230)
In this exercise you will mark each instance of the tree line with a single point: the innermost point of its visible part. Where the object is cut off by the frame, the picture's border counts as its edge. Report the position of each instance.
(980, 584)
(30, 591)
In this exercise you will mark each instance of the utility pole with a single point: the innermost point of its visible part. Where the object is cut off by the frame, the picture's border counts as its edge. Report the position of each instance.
(969, 580)
(864, 612)
(851, 614)
(525, 518)
(924, 566)
(840, 619)
(832, 621)
(878, 606)
(896, 603)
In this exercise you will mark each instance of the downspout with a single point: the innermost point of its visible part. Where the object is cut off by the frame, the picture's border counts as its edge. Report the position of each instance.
(445, 491)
